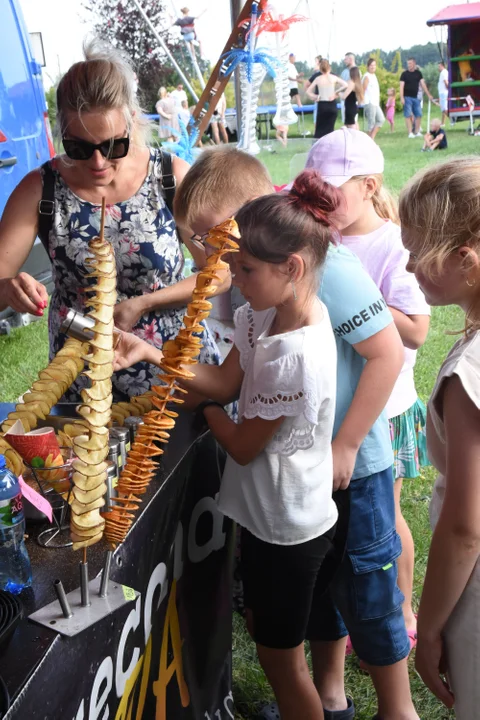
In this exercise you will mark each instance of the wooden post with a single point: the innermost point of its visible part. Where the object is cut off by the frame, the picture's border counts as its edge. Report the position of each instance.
(217, 83)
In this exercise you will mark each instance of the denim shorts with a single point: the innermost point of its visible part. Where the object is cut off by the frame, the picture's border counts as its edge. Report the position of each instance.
(412, 106)
(364, 599)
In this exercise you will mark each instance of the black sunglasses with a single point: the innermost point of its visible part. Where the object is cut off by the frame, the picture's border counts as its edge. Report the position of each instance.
(113, 149)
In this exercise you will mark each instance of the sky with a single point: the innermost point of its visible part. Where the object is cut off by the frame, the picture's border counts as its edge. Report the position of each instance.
(333, 28)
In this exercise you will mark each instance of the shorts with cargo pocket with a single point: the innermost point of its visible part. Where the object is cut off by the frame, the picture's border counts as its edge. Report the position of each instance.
(364, 599)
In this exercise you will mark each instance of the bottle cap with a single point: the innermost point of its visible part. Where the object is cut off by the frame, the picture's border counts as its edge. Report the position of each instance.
(3, 462)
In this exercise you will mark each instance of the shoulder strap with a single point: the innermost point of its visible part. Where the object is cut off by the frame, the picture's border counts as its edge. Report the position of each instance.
(168, 180)
(46, 206)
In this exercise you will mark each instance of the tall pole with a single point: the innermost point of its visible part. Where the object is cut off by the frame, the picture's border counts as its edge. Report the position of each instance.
(165, 49)
(235, 10)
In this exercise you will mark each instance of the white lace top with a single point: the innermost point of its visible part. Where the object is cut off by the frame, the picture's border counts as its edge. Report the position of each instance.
(284, 496)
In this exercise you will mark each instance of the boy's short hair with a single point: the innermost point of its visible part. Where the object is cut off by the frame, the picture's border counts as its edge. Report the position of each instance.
(221, 178)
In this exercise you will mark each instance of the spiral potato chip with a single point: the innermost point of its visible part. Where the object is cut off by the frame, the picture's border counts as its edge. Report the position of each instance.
(182, 351)
(91, 445)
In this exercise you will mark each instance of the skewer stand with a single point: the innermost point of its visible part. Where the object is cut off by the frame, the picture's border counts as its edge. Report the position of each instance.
(92, 601)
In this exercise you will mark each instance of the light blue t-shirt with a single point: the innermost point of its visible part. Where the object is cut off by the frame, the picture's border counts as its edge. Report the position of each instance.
(357, 311)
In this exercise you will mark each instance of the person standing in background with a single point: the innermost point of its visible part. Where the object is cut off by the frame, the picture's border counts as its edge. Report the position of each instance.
(179, 96)
(349, 62)
(218, 121)
(410, 82)
(371, 89)
(168, 127)
(184, 113)
(443, 85)
(352, 96)
(307, 83)
(325, 91)
(293, 78)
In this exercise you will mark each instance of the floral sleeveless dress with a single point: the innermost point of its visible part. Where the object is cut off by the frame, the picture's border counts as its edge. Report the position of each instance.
(148, 256)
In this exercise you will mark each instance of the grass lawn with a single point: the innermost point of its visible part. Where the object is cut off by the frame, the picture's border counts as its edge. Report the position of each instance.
(25, 352)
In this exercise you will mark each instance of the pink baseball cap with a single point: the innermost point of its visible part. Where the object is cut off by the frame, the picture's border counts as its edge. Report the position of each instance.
(344, 154)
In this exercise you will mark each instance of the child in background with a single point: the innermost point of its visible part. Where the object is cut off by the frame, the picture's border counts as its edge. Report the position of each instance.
(351, 161)
(440, 216)
(282, 134)
(283, 370)
(390, 108)
(436, 139)
(184, 113)
(370, 356)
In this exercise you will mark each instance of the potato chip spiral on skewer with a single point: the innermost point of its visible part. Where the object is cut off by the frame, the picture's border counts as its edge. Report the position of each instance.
(91, 448)
(178, 353)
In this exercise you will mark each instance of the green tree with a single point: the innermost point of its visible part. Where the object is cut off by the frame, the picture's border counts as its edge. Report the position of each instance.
(119, 23)
(51, 96)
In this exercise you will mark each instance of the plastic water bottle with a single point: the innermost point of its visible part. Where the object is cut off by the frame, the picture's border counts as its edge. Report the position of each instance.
(15, 569)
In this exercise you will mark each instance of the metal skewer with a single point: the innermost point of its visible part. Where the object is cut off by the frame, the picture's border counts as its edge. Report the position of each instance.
(106, 574)
(62, 599)
(84, 589)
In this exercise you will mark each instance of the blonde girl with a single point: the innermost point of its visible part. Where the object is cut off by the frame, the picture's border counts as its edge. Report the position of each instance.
(390, 108)
(440, 215)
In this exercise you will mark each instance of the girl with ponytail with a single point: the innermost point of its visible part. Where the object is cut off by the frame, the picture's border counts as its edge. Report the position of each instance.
(278, 479)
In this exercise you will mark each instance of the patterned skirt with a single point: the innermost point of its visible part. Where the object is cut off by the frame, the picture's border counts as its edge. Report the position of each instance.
(409, 441)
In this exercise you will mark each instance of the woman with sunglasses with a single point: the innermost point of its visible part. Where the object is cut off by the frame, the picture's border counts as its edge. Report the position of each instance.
(106, 156)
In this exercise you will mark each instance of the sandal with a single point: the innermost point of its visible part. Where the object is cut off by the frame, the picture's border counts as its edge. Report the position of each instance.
(346, 714)
(271, 712)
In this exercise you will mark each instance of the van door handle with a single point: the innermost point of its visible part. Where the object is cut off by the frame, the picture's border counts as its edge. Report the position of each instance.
(8, 162)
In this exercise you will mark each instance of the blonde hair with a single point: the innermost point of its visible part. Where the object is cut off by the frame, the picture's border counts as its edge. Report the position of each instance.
(103, 81)
(223, 178)
(441, 206)
(382, 199)
(356, 78)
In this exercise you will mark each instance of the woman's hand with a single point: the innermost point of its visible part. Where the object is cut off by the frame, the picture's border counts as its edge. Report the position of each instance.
(24, 294)
(430, 665)
(128, 312)
(130, 350)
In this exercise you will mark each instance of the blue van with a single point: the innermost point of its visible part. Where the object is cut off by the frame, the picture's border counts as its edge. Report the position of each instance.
(25, 137)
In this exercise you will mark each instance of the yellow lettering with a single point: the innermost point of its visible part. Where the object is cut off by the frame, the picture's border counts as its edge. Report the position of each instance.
(171, 630)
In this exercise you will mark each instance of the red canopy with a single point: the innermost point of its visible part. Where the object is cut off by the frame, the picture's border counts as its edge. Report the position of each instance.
(457, 14)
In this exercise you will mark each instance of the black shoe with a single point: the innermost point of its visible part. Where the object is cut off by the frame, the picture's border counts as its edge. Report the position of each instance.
(346, 714)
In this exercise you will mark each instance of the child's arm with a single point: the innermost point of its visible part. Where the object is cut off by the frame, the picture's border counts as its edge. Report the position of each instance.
(413, 329)
(384, 355)
(218, 382)
(455, 546)
(243, 442)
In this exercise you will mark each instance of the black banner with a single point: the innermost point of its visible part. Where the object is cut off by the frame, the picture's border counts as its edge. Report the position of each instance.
(168, 653)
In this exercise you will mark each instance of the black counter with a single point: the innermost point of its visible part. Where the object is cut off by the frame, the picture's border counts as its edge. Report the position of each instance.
(181, 493)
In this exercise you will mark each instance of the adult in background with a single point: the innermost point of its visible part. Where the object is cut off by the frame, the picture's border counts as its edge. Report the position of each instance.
(293, 77)
(107, 156)
(179, 96)
(443, 85)
(371, 89)
(168, 126)
(219, 131)
(325, 91)
(352, 96)
(349, 62)
(411, 80)
(307, 83)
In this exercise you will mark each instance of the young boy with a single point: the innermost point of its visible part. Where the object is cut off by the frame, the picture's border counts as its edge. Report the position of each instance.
(436, 139)
(370, 356)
